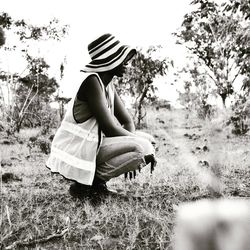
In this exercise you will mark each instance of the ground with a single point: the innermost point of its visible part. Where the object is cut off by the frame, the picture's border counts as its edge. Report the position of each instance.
(196, 160)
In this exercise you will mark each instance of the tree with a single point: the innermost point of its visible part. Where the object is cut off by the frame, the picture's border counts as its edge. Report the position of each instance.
(220, 39)
(62, 101)
(27, 93)
(32, 92)
(139, 78)
(59, 98)
(196, 91)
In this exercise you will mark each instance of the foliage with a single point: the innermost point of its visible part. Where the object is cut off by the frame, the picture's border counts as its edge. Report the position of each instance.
(220, 39)
(38, 80)
(241, 115)
(238, 6)
(62, 101)
(161, 104)
(196, 101)
(139, 78)
(238, 120)
(2, 37)
(40, 142)
(32, 93)
(197, 90)
(27, 31)
(32, 88)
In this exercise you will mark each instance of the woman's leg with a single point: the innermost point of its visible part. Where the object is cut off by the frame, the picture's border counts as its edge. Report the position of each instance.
(118, 155)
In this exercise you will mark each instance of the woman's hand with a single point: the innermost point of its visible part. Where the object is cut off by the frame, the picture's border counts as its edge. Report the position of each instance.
(151, 159)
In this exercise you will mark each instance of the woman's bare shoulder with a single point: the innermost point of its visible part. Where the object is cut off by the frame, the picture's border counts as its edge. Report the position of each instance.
(90, 79)
(89, 85)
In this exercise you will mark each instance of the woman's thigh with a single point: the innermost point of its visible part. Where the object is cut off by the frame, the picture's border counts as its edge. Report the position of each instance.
(122, 154)
(114, 146)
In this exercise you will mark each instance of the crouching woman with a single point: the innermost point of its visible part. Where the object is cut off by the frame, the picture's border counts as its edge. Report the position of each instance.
(97, 140)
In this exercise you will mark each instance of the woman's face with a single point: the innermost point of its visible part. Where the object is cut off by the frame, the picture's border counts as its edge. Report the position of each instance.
(121, 69)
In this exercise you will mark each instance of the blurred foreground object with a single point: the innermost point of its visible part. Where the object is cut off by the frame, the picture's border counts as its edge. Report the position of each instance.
(213, 225)
(2, 37)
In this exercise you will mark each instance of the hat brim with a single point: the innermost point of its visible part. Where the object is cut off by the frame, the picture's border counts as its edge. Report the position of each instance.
(111, 62)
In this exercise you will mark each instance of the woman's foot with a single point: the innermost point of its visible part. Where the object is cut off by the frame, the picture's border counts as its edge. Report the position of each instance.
(78, 190)
(98, 189)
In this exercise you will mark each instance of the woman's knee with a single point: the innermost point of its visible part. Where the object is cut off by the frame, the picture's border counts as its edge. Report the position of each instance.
(146, 146)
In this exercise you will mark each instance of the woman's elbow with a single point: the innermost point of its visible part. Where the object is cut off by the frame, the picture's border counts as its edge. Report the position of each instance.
(129, 125)
(110, 131)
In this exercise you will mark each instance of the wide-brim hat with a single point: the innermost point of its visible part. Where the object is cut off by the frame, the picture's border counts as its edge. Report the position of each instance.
(106, 53)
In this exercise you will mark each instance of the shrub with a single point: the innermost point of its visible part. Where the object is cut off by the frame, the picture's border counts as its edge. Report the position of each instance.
(204, 110)
(239, 119)
(41, 143)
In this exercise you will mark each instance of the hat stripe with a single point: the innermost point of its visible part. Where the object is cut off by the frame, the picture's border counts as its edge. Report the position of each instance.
(112, 47)
(91, 50)
(109, 53)
(106, 62)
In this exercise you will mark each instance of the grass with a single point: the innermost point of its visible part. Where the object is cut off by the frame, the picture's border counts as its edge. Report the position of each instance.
(39, 205)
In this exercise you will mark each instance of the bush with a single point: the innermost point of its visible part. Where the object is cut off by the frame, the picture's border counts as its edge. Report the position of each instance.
(238, 120)
(40, 142)
(197, 101)
(49, 121)
(240, 117)
(204, 110)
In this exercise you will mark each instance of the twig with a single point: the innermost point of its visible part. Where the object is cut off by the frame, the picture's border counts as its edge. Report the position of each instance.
(236, 75)
(36, 241)
(8, 215)
(6, 236)
(26, 100)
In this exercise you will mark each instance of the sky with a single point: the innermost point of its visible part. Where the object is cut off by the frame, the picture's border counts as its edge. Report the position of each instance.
(138, 23)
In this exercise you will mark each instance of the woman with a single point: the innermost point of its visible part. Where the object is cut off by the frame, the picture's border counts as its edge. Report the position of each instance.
(96, 140)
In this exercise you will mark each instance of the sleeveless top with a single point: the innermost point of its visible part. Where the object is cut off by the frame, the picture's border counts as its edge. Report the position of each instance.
(81, 111)
(75, 145)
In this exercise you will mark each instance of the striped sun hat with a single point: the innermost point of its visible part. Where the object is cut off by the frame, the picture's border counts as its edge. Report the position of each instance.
(106, 53)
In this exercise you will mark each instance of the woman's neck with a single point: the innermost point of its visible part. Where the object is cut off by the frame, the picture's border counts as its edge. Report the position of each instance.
(106, 77)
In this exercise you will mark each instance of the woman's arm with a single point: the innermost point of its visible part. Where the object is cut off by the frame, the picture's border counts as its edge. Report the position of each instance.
(122, 114)
(97, 105)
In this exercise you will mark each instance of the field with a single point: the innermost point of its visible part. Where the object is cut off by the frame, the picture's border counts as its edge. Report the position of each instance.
(196, 160)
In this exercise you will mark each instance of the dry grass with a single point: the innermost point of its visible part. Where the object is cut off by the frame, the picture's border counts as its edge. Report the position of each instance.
(39, 205)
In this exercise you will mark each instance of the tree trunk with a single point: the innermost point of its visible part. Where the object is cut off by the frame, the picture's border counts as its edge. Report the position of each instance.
(223, 97)
(18, 125)
(140, 104)
(139, 117)
(61, 110)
